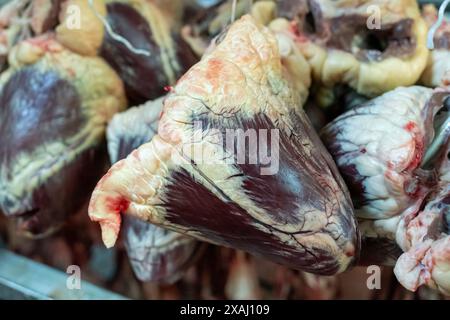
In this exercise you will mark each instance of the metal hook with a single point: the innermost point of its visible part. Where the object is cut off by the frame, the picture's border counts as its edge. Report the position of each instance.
(436, 25)
(233, 10)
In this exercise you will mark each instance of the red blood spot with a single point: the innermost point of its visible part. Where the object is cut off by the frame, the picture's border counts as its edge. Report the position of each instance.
(417, 159)
(168, 88)
(298, 36)
(117, 204)
(350, 252)
(44, 42)
(410, 126)
(419, 147)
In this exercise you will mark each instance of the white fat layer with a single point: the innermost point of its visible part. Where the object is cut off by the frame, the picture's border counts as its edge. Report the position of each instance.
(139, 122)
(380, 139)
(427, 263)
(427, 247)
(383, 228)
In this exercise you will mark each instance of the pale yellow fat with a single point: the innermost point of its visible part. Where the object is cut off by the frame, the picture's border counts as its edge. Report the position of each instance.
(330, 67)
(87, 39)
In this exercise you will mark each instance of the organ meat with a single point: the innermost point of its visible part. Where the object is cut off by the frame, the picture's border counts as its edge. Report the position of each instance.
(156, 254)
(54, 107)
(379, 147)
(371, 46)
(427, 238)
(281, 198)
(141, 45)
(386, 150)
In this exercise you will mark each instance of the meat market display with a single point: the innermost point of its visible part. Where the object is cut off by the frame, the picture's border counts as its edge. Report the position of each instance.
(225, 149)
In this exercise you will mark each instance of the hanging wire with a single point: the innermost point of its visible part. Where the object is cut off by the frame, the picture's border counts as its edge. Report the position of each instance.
(441, 136)
(233, 10)
(436, 25)
(115, 36)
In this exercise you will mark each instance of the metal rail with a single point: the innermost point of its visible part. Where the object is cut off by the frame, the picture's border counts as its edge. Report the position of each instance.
(22, 278)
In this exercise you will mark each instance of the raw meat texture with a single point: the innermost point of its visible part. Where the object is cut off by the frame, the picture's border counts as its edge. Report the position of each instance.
(146, 28)
(437, 71)
(383, 150)
(379, 146)
(23, 19)
(158, 57)
(293, 208)
(130, 129)
(342, 47)
(426, 238)
(156, 254)
(291, 57)
(54, 107)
